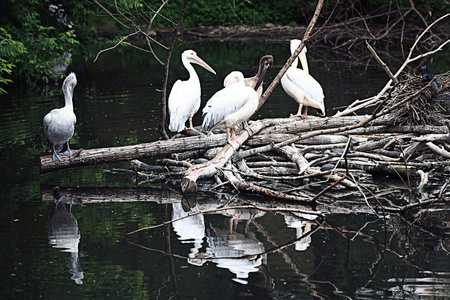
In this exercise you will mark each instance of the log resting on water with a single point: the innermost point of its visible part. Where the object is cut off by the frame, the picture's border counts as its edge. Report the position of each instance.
(314, 143)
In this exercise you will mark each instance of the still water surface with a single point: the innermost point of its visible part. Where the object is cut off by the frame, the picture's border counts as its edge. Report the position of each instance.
(62, 249)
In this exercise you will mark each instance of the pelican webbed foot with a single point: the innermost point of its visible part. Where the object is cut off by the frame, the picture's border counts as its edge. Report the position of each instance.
(57, 156)
(192, 131)
(235, 142)
(301, 116)
(70, 152)
(248, 128)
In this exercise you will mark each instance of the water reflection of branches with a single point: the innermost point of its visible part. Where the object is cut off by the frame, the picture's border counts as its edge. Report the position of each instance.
(275, 249)
(381, 240)
(224, 209)
(288, 259)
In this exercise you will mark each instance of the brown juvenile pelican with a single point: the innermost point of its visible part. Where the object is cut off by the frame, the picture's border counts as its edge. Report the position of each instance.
(265, 63)
(231, 106)
(184, 98)
(301, 86)
(59, 123)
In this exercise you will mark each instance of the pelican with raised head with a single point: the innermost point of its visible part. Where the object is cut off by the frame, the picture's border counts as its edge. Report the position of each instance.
(59, 123)
(184, 98)
(231, 106)
(255, 82)
(301, 86)
(265, 63)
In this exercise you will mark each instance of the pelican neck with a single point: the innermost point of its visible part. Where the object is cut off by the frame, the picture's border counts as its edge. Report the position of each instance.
(68, 97)
(190, 68)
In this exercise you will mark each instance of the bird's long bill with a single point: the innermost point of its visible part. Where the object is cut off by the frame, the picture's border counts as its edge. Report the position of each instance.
(264, 71)
(197, 60)
(303, 61)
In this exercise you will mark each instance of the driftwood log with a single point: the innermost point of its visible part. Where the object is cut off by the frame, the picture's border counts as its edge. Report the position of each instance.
(125, 153)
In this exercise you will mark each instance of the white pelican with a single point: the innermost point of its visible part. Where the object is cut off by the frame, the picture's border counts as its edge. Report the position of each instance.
(255, 82)
(59, 123)
(265, 63)
(301, 86)
(184, 98)
(229, 107)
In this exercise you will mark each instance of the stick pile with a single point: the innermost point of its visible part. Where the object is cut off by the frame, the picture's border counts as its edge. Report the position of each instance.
(302, 160)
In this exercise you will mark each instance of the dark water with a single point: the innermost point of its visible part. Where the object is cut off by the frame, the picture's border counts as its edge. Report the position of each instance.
(63, 249)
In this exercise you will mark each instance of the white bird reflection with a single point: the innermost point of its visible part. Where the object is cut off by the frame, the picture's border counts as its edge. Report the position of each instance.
(302, 226)
(237, 250)
(427, 287)
(189, 230)
(239, 253)
(63, 234)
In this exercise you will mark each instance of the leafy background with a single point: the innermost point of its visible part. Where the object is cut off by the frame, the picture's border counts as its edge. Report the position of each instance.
(36, 35)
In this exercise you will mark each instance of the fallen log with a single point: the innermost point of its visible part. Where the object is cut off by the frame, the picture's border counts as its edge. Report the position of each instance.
(304, 166)
(382, 143)
(126, 153)
(413, 129)
(264, 139)
(100, 195)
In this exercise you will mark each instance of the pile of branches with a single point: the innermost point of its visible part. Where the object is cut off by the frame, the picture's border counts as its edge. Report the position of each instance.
(426, 105)
(337, 152)
(302, 160)
(307, 160)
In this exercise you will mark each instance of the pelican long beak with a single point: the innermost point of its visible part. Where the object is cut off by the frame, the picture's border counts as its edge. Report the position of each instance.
(303, 61)
(197, 60)
(264, 71)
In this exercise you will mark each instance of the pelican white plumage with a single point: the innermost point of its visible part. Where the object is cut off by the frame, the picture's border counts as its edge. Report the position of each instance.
(184, 98)
(255, 82)
(229, 107)
(301, 86)
(59, 123)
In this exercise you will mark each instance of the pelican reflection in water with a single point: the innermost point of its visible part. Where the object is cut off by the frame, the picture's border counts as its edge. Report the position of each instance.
(301, 86)
(184, 98)
(59, 123)
(63, 234)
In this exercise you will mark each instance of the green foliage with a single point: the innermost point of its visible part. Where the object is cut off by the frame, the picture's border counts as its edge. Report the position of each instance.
(223, 12)
(34, 35)
(261, 12)
(8, 48)
(427, 9)
(38, 35)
